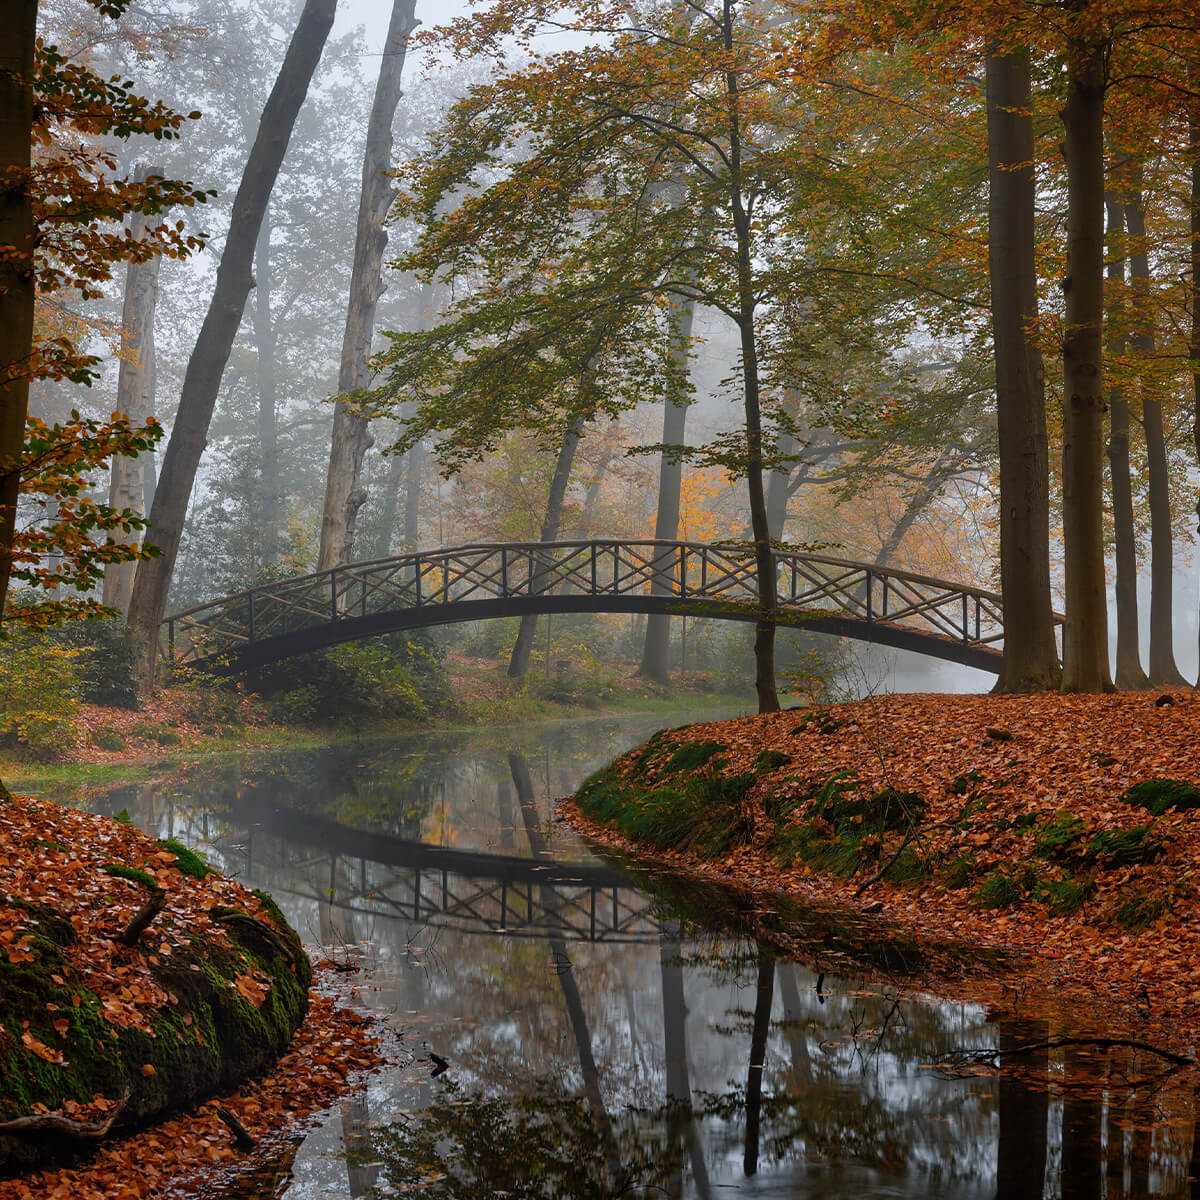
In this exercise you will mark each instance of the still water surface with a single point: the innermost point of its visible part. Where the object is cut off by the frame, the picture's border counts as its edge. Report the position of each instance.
(597, 1041)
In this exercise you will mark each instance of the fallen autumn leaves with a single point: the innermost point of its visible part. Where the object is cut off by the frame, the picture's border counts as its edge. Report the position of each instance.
(97, 1033)
(994, 820)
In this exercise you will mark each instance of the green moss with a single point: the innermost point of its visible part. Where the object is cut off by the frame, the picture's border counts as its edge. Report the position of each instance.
(1064, 896)
(1138, 909)
(50, 845)
(1059, 836)
(164, 737)
(966, 782)
(958, 872)
(772, 760)
(187, 861)
(819, 719)
(691, 756)
(1123, 847)
(118, 871)
(909, 868)
(1001, 889)
(1160, 796)
(1023, 821)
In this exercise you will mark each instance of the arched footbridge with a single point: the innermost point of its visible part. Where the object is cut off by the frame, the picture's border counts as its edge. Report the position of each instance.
(470, 583)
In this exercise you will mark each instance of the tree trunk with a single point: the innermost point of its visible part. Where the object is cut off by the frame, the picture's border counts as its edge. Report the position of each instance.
(1085, 642)
(207, 363)
(1194, 152)
(1030, 654)
(1022, 1109)
(916, 504)
(268, 425)
(344, 494)
(764, 557)
(1163, 670)
(127, 485)
(518, 664)
(657, 645)
(1129, 664)
(391, 505)
(777, 490)
(18, 30)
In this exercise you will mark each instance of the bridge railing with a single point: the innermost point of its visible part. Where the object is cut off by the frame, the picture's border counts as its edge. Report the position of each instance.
(723, 574)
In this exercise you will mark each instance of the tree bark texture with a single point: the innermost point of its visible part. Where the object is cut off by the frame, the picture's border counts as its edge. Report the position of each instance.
(1194, 152)
(1030, 654)
(207, 363)
(127, 482)
(268, 421)
(764, 557)
(1163, 670)
(1085, 641)
(1129, 664)
(518, 663)
(18, 30)
(656, 647)
(344, 494)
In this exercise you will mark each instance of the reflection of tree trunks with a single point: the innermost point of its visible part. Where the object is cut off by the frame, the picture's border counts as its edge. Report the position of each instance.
(1021, 1146)
(793, 1014)
(561, 964)
(505, 814)
(1080, 1129)
(764, 995)
(356, 1140)
(679, 1088)
(1194, 1164)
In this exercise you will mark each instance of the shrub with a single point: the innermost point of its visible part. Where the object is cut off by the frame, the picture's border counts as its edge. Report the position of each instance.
(108, 739)
(39, 693)
(106, 659)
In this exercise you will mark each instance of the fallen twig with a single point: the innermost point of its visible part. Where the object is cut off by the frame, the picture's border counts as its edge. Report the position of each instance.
(143, 917)
(54, 1122)
(243, 1139)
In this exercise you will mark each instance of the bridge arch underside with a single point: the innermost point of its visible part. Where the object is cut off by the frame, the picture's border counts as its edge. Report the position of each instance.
(354, 628)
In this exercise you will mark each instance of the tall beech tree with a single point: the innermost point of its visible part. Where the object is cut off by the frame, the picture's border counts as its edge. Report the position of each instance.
(1030, 654)
(351, 439)
(207, 363)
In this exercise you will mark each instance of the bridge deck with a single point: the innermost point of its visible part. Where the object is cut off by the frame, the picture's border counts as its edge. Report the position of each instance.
(467, 583)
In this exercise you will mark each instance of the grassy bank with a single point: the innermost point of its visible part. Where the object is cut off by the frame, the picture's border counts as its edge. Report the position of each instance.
(1064, 828)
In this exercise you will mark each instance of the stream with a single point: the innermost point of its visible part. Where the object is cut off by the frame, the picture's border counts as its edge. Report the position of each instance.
(605, 1034)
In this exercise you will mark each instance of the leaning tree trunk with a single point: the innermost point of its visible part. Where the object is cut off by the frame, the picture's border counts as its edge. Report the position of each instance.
(1129, 665)
(518, 663)
(1162, 565)
(269, 521)
(1085, 641)
(666, 522)
(1030, 655)
(127, 484)
(1194, 153)
(18, 30)
(207, 363)
(344, 494)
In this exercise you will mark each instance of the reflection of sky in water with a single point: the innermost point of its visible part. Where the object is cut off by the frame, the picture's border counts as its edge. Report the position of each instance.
(570, 1025)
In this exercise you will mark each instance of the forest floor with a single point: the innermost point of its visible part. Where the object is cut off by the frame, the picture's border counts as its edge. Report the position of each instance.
(1003, 822)
(57, 865)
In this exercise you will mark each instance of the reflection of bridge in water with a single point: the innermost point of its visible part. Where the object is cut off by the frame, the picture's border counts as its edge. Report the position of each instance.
(378, 874)
(470, 583)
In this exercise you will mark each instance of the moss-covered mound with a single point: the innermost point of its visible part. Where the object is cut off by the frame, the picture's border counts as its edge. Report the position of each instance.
(133, 980)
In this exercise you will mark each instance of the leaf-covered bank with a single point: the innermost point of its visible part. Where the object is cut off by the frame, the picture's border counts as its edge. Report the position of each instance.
(134, 981)
(1062, 827)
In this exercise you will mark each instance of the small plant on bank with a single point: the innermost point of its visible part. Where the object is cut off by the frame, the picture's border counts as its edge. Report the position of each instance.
(1001, 889)
(691, 756)
(772, 760)
(1160, 796)
(1138, 909)
(1059, 837)
(1064, 896)
(108, 739)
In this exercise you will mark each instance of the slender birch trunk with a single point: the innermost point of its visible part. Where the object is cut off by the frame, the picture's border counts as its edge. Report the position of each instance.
(268, 423)
(344, 493)
(127, 483)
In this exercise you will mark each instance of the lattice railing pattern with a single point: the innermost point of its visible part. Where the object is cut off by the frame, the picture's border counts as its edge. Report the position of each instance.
(687, 571)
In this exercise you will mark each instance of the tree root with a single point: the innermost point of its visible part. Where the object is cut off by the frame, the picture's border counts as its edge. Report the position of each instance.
(145, 914)
(38, 1123)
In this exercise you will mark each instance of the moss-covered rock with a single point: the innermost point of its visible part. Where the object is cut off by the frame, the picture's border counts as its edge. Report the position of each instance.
(58, 1043)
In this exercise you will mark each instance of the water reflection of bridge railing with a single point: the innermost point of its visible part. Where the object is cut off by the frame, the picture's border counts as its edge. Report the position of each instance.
(473, 891)
(898, 608)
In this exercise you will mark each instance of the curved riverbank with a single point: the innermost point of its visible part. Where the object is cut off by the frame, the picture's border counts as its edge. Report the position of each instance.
(135, 981)
(1047, 826)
